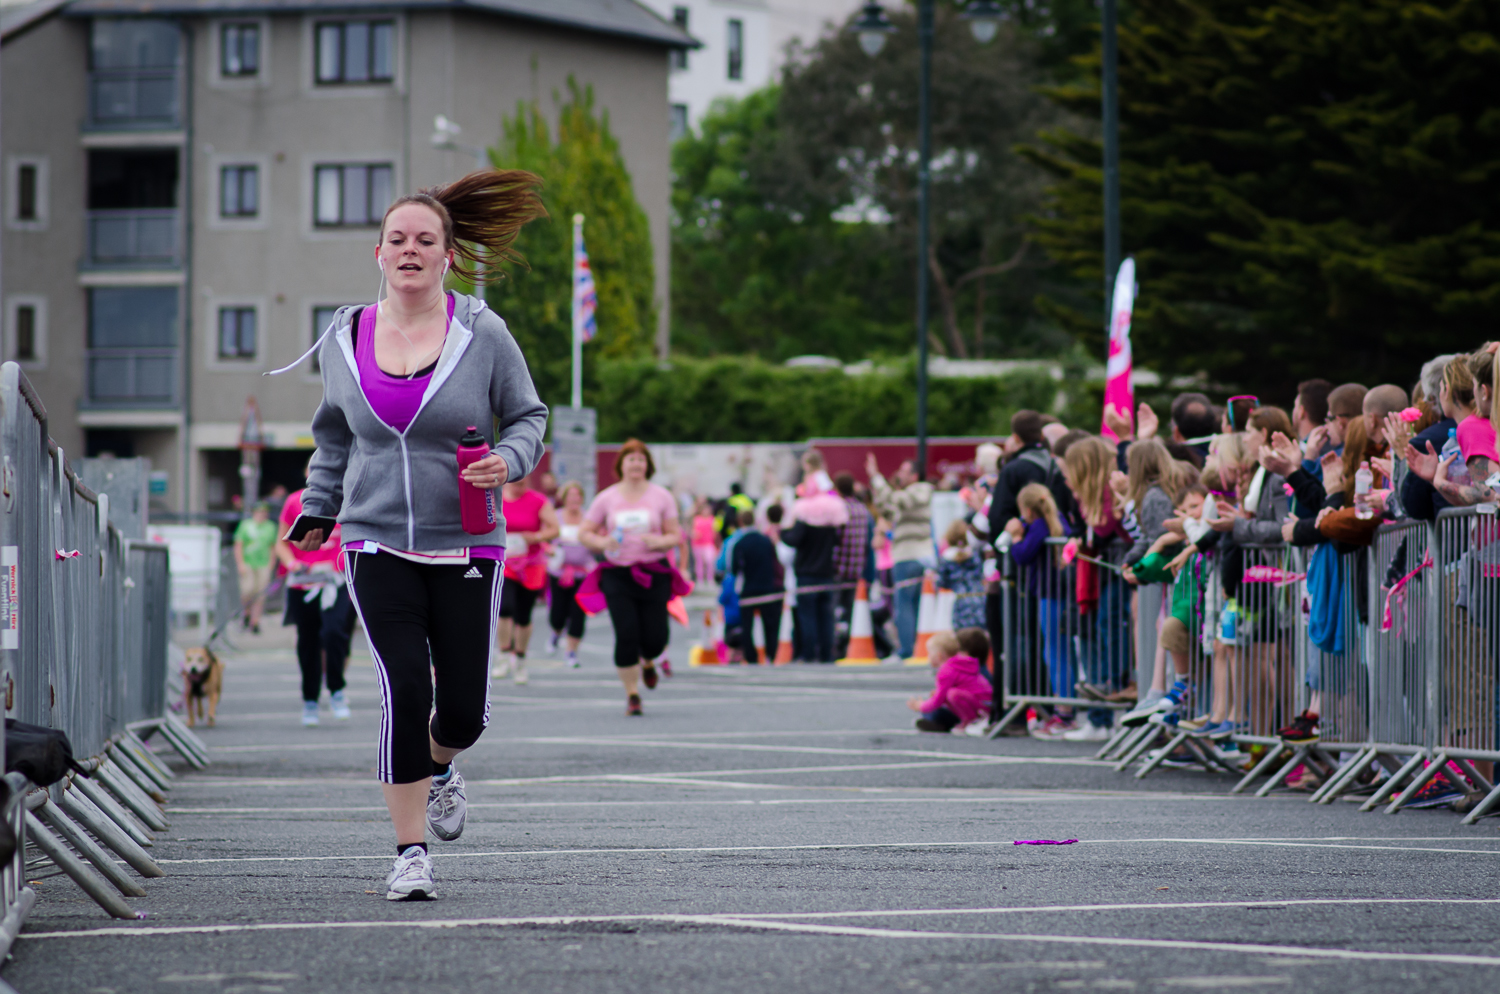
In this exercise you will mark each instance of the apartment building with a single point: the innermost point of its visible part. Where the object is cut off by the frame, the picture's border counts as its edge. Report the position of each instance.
(191, 187)
(743, 46)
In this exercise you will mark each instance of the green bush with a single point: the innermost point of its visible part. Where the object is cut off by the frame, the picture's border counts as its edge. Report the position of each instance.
(743, 399)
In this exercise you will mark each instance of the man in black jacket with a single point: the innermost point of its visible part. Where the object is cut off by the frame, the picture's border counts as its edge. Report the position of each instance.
(814, 567)
(754, 562)
(1032, 463)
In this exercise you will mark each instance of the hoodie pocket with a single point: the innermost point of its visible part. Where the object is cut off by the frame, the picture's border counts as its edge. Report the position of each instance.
(361, 468)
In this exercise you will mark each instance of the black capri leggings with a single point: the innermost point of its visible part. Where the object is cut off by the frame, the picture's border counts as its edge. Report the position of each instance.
(428, 624)
(639, 613)
(565, 610)
(322, 639)
(517, 602)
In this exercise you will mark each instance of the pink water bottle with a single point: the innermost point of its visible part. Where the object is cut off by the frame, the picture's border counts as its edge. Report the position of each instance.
(476, 506)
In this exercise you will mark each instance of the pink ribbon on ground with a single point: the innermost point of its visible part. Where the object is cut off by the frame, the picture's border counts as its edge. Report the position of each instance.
(1044, 842)
(1398, 591)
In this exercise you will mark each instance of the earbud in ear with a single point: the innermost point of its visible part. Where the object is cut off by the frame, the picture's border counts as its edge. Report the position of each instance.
(381, 264)
(446, 263)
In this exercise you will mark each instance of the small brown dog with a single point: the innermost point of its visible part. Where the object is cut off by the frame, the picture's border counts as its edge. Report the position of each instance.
(202, 680)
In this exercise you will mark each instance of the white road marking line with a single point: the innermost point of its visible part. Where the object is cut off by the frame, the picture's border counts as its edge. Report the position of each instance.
(754, 923)
(1322, 845)
(1140, 906)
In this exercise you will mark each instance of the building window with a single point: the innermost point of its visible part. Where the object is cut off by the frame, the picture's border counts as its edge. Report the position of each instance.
(25, 326)
(678, 126)
(322, 318)
(239, 194)
(132, 342)
(26, 192)
(356, 51)
(680, 55)
(239, 49)
(736, 48)
(351, 195)
(236, 333)
(133, 73)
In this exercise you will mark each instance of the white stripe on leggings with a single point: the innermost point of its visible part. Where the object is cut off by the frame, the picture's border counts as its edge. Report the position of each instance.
(384, 748)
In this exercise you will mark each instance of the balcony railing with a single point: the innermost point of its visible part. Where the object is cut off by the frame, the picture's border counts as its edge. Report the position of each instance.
(133, 238)
(132, 378)
(134, 99)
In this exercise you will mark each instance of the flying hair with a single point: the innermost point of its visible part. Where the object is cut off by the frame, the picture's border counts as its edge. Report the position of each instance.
(482, 215)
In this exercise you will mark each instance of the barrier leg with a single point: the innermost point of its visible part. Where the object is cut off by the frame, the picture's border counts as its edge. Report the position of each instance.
(126, 752)
(1473, 774)
(187, 744)
(132, 798)
(1144, 738)
(1300, 756)
(1267, 761)
(130, 769)
(999, 727)
(1485, 807)
(1161, 756)
(10, 925)
(1417, 783)
(1118, 735)
(1337, 783)
(91, 850)
(138, 744)
(1393, 782)
(74, 867)
(105, 802)
(82, 810)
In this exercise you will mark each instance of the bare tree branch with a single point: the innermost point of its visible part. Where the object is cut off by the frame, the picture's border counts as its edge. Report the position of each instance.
(950, 313)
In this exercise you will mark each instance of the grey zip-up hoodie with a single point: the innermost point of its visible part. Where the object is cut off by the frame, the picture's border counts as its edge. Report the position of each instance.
(401, 488)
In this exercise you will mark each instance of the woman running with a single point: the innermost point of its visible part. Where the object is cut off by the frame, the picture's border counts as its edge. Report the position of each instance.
(403, 380)
(530, 522)
(634, 523)
(570, 562)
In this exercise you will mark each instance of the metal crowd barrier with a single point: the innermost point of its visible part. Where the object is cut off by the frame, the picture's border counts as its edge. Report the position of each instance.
(1401, 661)
(1053, 644)
(83, 648)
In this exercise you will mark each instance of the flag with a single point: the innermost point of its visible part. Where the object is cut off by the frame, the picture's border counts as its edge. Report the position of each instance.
(1117, 389)
(584, 298)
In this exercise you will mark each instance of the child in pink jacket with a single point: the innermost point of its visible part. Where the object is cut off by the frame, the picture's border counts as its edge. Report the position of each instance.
(963, 693)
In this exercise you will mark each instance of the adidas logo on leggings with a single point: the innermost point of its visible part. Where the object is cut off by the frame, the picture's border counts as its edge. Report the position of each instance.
(473, 574)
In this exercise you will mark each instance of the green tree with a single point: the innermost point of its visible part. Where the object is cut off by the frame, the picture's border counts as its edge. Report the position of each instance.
(582, 172)
(762, 257)
(1308, 188)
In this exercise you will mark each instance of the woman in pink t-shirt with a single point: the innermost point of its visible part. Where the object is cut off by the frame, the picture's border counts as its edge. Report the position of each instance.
(705, 542)
(634, 524)
(530, 523)
(317, 602)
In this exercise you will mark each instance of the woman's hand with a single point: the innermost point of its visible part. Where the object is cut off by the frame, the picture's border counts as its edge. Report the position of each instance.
(1118, 421)
(1397, 432)
(915, 703)
(1385, 467)
(1015, 529)
(1129, 575)
(487, 473)
(1225, 521)
(1146, 421)
(1119, 486)
(311, 542)
(1333, 472)
(1423, 462)
(1287, 527)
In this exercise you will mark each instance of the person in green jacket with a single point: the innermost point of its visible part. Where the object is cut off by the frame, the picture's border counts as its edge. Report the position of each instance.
(253, 538)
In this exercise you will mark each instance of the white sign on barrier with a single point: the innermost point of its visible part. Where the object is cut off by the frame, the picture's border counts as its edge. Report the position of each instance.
(10, 597)
(193, 567)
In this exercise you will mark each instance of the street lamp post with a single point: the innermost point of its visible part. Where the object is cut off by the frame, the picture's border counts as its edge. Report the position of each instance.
(871, 27)
(1110, 112)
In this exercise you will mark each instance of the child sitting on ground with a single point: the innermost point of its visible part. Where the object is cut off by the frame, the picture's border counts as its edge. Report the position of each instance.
(962, 695)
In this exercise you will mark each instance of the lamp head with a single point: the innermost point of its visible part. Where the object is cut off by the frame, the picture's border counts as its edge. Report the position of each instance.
(872, 26)
(984, 17)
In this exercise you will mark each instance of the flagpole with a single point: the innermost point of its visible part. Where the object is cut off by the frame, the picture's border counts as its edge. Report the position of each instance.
(577, 324)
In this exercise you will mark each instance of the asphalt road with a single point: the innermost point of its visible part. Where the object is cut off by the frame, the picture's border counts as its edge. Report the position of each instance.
(759, 830)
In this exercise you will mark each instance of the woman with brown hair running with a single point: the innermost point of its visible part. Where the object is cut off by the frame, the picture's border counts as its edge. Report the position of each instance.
(404, 379)
(634, 524)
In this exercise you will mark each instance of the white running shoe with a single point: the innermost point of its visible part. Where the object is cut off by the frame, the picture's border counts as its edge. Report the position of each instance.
(504, 663)
(447, 807)
(1142, 712)
(309, 713)
(573, 662)
(1087, 732)
(411, 878)
(340, 705)
(520, 670)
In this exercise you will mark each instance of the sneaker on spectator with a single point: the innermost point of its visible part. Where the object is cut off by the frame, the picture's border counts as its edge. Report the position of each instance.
(1302, 730)
(979, 727)
(1092, 692)
(1053, 728)
(1087, 732)
(1213, 730)
(1231, 753)
(1167, 717)
(1155, 700)
(1435, 793)
(1180, 759)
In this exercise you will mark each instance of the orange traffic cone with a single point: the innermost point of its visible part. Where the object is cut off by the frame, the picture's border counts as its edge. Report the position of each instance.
(926, 622)
(698, 655)
(784, 648)
(861, 632)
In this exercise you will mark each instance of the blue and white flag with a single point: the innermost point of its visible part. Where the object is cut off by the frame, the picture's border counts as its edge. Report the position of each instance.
(585, 300)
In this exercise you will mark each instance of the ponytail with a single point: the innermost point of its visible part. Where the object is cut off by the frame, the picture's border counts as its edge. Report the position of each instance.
(482, 215)
(1486, 372)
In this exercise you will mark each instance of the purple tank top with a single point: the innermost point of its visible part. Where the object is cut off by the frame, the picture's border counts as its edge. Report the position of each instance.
(394, 399)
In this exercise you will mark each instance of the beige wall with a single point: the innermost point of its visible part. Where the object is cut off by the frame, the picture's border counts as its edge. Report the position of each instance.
(42, 93)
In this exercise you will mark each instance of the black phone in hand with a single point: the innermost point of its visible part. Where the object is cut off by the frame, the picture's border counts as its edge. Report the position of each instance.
(309, 522)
